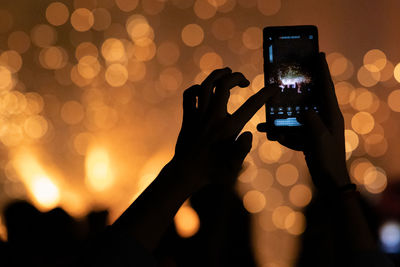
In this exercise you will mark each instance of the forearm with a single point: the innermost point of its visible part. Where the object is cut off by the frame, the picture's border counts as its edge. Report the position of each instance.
(150, 215)
(350, 222)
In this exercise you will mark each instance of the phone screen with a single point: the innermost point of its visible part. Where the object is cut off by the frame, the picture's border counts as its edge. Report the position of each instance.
(289, 53)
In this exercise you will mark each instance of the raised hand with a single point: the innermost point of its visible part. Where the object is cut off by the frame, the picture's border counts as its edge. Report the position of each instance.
(208, 147)
(322, 139)
(208, 150)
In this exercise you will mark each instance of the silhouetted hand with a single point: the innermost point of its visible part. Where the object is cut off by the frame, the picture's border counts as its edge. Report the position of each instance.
(322, 141)
(208, 148)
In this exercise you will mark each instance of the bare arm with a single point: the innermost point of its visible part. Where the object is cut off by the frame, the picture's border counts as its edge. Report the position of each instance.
(208, 151)
(323, 145)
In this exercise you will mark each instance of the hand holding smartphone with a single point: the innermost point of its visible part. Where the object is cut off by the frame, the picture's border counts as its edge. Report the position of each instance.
(290, 53)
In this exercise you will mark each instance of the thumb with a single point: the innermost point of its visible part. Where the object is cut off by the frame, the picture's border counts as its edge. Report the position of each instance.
(242, 147)
(314, 126)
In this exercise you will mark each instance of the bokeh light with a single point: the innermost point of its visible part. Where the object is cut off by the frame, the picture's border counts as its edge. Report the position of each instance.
(254, 201)
(362, 122)
(99, 173)
(82, 19)
(187, 222)
(91, 93)
(192, 35)
(374, 60)
(389, 234)
(57, 13)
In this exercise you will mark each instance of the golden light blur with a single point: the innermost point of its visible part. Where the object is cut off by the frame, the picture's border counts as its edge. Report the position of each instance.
(287, 174)
(186, 220)
(99, 173)
(82, 19)
(192, 35)
(57, 13)
(254, 201)
(90, 103)
(43, 190)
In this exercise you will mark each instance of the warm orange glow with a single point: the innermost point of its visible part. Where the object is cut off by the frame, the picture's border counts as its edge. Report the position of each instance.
(362, 122)
(19, 41)
(394, 100)
(274, 198)
(116, 75)
(35, 126)
(270, 152)
(210, 61)
(82, 19)
(127, 5)
(187, 222)
(113, 50)
(99, 173)
(269, 8)
(254, 201)
(12, 60)
(249, 171)
(374, 60)
(45, 191)
(102, 19)
(86, 49)
(5, 78)
(287, 174)
(358, 169)
(396, 72)
(279, 216)
(352, 140)
(263, 180)
(368, 78)
(252, 38)
(375, 180)
(72, 112)
(295, 223)
(300, 195)
(168, 53)
(192, 35)
(89, 67)
(53, 57)
(138, 28)
(37, 180)
(43, 35)
(204, 9)
(57, 13)
(223, 28)
(171, 79)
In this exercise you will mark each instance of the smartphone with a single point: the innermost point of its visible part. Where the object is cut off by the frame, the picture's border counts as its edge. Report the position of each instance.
(290, 53)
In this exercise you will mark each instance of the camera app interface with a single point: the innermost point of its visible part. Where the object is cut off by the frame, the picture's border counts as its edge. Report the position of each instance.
(288, 65)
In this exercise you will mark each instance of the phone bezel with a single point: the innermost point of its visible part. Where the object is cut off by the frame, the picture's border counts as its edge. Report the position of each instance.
(273, 31)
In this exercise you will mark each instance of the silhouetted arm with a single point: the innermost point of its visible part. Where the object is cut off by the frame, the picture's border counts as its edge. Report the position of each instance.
(208, 151)
(323, 145)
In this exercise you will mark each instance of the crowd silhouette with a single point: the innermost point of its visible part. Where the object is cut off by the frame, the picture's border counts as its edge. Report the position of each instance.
(208, 157)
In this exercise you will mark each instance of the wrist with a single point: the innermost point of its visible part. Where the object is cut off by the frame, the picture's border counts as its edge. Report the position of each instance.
(185, 175)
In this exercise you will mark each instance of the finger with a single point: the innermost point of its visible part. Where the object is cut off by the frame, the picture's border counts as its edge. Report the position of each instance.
(271, 135)
(313, 125)
(189, 101)
(222, 90)
(242, 147)
(262, 127)
(329, 105)
(208, 87)
(251, 106)
(292, 141)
